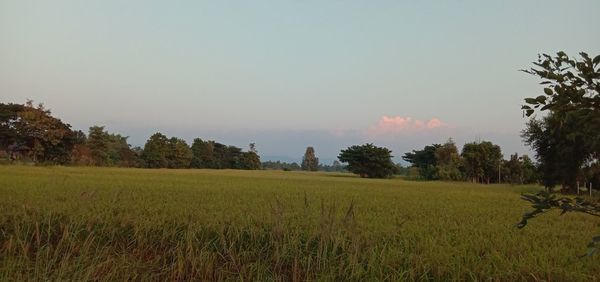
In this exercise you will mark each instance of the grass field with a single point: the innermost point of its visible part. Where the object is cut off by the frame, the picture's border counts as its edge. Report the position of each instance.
(59, 223)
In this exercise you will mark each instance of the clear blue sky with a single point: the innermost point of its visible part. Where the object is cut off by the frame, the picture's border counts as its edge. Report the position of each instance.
(288, 74)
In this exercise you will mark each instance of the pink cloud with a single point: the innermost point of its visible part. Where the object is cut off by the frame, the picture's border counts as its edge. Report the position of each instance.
(398, 124)
(434, 123)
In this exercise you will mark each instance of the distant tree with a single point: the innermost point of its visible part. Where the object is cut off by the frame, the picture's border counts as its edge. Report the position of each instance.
(402, 170)
(203, 154)
(121, 153)
(513, 170)
(530, 171)
(249, 160)
(81, 155)
(108, 149)
(9, 114)
(481, 161)
(44, 137)
(448, 161)
(179, 154)
(519, 170)
(138, 152)
(227, 157)
(98, 143)
(211, 154)
(368, 161)
(156, 151)
(424, 160)
(335, 166)
(310, 161)
(278, 165)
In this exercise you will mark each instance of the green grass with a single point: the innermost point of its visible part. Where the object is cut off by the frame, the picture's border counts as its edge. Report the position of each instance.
(59, 223)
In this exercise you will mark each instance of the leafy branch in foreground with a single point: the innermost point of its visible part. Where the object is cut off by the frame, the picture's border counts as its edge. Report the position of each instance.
(545, 201)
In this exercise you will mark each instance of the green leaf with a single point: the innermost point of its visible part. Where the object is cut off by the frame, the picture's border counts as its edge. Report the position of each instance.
(541, 99)
(530, 101)
(548, 91)
(597, 60)
(529, 112)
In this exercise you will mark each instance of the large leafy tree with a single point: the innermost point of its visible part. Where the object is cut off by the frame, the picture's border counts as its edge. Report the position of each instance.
(108, 149)
(98, 143)
(179, 154)
(226, 156)
(211, 154)
(512, 170)
(9, 114)
(310, 161)
(44, 137)
(156, 151)
(481, 161)
(519, 170)
(249, 160)
(368, 161)
(448, 161)
(569, 135)
(202, 154)
(424, 160)
(560, 151)
(530, 171)
(121, 153)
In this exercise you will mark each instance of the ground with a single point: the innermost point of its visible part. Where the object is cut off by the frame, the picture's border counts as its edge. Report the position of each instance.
(60, 223)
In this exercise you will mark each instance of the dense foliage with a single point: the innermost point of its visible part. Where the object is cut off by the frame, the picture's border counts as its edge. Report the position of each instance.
(310, 162)
(30, 133)
(368, 161)
(480, 162)
(424, 160)
(567, 139)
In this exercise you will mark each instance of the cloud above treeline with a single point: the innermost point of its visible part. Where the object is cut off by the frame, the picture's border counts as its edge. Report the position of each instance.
(394, 125)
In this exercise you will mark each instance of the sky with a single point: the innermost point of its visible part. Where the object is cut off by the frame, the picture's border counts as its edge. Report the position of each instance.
(290, 74)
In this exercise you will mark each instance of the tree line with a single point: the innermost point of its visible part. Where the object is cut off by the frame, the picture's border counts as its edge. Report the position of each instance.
(480, 162)
(29, 132)
(565, 138)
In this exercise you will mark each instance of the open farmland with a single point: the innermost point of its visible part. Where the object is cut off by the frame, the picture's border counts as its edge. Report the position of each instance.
(59, 223)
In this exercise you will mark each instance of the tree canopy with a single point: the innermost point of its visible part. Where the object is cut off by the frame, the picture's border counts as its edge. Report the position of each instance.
(424, 160)
(368, 161)
(482, 161)
(568, 136)
(310, 161)
(31, 131)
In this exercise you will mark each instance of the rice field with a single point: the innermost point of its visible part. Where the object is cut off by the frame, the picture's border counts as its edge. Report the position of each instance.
(108, 224)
